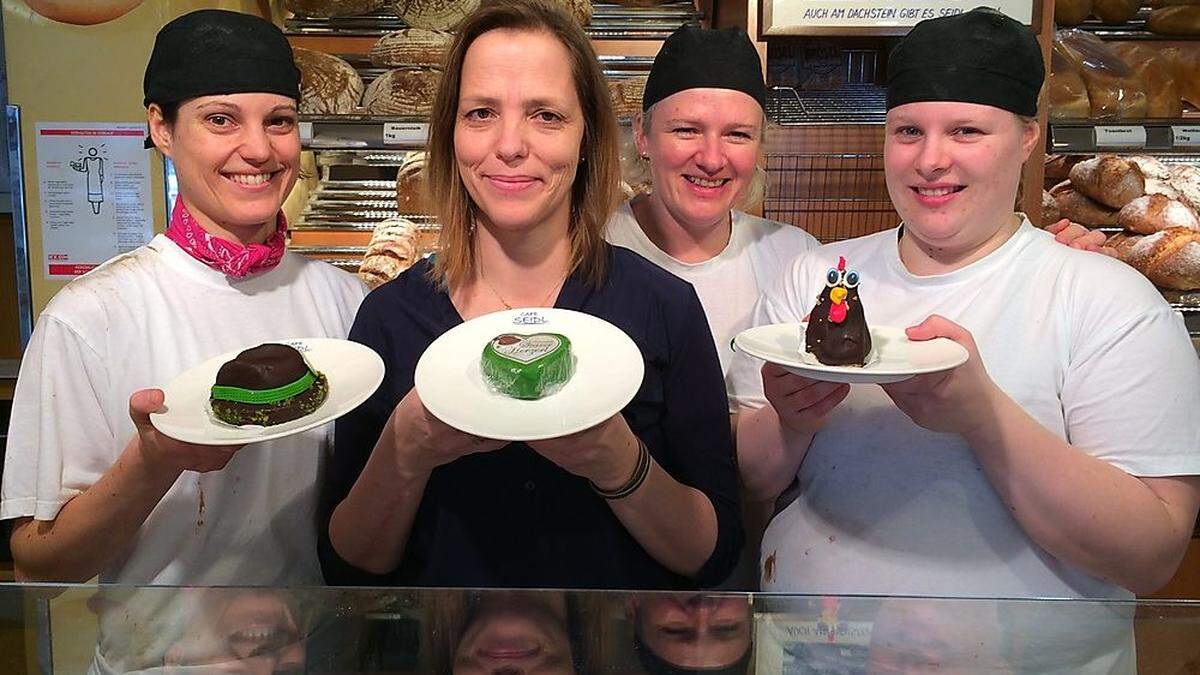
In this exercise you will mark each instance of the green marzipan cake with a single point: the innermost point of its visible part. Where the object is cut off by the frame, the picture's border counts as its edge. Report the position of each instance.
(527, 366)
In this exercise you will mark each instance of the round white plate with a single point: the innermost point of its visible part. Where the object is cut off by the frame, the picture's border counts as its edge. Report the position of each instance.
(353, 370)
(893, 356)
(608, 372)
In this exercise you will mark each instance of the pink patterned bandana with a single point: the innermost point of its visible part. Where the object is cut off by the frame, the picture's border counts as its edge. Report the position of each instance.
(233, 259)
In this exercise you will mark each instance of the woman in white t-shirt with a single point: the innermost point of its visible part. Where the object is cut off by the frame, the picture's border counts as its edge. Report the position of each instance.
(1061, 459)
(93, 488)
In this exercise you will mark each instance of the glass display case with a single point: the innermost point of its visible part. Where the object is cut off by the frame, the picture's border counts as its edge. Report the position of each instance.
(121, 629)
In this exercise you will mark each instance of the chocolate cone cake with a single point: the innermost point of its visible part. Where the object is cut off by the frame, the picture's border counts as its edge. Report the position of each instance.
(837, 332)
(267, 385)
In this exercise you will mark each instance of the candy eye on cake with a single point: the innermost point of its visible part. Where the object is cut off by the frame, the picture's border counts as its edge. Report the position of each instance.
(837, 332)
(267, 385)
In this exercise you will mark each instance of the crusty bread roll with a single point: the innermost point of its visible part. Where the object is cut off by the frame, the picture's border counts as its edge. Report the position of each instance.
(403, 91)
(1183, 20)
(1153, 213)
(1115, 11)
(328, 8)
(1170, 258)
(328, 85)
(1071, 12)
(1113, 89)
(393, 249)
(1185, 180)
(1050, 213)
(412, 47)
(1077, 208)
(1158, 176)
(1066, 91)
(1110, 180)
(410, 184)
(580, 10)
(627, 95)
(1163, 99)
(1122, 242)
(435, 14)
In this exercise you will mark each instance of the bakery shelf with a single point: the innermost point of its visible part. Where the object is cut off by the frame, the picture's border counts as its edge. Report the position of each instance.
(362, 132)
(859, 104)
(1134, 29)
(609, 22)
(1151, 136)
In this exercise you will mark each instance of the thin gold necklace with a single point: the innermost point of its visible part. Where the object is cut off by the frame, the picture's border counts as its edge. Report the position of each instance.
(504, 302)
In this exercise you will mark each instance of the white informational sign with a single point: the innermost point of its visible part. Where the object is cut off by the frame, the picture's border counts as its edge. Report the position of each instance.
(405, 133)
(94, 183)
(890, 17)
(1185, 137)
(1120, 136)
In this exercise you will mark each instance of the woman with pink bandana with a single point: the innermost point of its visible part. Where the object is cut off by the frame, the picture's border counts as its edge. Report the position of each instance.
(93, 488)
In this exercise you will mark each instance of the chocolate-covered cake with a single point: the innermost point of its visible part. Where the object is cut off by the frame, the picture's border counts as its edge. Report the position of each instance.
(267, 385)
(837, 333)
(527, 366)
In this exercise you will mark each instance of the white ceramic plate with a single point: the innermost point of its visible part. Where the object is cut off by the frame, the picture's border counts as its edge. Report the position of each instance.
(353, 370)
(608, 372)
(893, 356)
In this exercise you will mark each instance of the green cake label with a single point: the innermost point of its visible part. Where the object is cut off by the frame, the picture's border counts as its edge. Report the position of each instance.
(525, 348)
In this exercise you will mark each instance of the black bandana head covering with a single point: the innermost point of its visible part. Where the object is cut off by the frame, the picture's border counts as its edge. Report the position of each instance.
(693, 57)
(213, 51)
(980, 56)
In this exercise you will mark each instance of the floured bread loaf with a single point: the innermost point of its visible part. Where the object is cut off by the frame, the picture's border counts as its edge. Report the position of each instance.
(435, 14)
(1158, 176)
(412, 47)
(1050, 212)
(1185, 180)
(1154, 213)
(627, 95)
(403, 91)
(392, 250)
(329, 8)
(1169, 259)
(328, 85)
(410, 184)
(1108, 179)
(580, 10)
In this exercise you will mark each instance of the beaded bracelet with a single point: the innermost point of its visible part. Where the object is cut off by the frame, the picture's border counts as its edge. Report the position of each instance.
(635, 481)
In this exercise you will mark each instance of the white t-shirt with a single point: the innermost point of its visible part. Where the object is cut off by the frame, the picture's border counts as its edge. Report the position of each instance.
(1082, 342)
(729, 283)
(136, 322)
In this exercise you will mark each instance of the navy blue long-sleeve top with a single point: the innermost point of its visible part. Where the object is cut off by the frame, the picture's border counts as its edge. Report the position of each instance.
(511, 518)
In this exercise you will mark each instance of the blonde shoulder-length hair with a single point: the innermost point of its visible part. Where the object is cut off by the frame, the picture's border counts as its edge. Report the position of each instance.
(595, 191)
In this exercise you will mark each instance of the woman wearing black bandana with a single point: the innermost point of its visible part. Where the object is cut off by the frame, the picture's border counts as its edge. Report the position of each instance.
(1061, 458)
(96, 490)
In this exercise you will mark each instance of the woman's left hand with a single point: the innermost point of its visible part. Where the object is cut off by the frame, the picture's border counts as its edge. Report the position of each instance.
(605, 454)
(953, 401)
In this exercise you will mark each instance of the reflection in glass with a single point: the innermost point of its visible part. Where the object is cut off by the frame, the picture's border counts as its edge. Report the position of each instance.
(680, 633)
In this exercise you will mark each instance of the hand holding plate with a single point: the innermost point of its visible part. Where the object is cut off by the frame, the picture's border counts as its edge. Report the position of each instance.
(954, 400)
(802, 404)
(165, 453)
(423, 442)
(605, 454)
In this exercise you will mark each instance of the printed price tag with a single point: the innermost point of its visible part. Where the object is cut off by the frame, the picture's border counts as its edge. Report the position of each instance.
(1120, 137)
(399, 133)
(1185, 137)
(306, 132)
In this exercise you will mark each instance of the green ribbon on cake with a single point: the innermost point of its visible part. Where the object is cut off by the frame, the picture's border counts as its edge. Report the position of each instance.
(260, 396)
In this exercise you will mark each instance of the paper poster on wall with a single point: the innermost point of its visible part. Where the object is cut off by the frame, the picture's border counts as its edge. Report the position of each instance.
(873, 17)
(94, 182)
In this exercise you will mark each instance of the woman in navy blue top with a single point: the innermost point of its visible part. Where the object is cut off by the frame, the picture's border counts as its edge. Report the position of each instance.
(523, 160)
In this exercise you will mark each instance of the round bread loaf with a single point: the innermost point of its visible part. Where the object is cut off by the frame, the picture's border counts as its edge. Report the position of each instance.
(1071, 12)
(328, 85)
(403, 91)
(435, 14)
(1050, 213)
(1115, 11)
(332, 8)
(1077, 208)
(412, 47)
(627, 95)
(393, 249)
(410, 184)
(1110, 180)
(580, 10)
